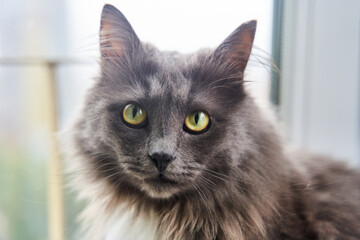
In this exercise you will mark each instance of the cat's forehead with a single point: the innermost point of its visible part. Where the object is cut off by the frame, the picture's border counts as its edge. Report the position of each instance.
(169, 77)
(175, 85)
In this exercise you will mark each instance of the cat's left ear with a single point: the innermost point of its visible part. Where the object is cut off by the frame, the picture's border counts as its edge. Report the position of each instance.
(236, 48)
(117, 37)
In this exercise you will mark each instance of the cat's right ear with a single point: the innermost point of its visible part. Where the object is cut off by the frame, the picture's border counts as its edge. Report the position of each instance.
(118, 40)
(235, 50)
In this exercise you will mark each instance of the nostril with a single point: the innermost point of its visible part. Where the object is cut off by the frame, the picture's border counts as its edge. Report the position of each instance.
(161, 160)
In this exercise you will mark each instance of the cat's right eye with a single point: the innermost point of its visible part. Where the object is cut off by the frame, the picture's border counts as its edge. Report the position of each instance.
(134, 115)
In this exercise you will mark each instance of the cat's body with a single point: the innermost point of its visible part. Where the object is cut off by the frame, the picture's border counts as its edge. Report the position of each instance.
(152, 173)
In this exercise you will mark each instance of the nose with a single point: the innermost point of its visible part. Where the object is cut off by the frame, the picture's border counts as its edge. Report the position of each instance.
(161, 160)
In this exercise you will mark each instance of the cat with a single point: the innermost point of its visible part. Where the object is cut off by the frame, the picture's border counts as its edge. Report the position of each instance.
(172, 146)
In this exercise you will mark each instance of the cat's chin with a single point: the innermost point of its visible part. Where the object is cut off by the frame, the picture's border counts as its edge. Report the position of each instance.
(159, 194)
(160, 187)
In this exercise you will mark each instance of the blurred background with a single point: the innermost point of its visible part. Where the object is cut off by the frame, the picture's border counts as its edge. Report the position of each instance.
(49, 56)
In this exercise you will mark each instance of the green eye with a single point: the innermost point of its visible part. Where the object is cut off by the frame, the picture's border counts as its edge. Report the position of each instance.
(197, 122)
(134, 115)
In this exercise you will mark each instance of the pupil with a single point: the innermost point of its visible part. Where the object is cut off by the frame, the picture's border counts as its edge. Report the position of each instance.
(196, 118)
(134, 112)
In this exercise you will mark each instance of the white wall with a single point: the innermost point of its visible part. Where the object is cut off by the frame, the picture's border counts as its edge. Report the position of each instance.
(320, 91)
(183, 26)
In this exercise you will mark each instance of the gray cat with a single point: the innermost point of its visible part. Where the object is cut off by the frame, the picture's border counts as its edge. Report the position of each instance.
(171, 146)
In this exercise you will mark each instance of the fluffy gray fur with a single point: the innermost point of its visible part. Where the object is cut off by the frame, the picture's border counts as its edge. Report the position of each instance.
(234, 181)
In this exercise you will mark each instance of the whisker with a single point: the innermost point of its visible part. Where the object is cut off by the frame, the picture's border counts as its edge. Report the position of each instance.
(202, 196)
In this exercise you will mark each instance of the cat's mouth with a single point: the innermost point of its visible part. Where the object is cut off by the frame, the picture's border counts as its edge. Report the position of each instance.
(160, 186)
(160, 179)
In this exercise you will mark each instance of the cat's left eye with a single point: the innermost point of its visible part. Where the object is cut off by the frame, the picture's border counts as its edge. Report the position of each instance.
(197, 122)
(134, 115)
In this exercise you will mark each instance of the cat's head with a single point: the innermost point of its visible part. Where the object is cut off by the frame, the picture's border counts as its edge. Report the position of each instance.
(162, 122)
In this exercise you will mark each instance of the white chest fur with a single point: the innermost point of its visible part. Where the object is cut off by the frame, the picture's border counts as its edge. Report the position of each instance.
(125, 226)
